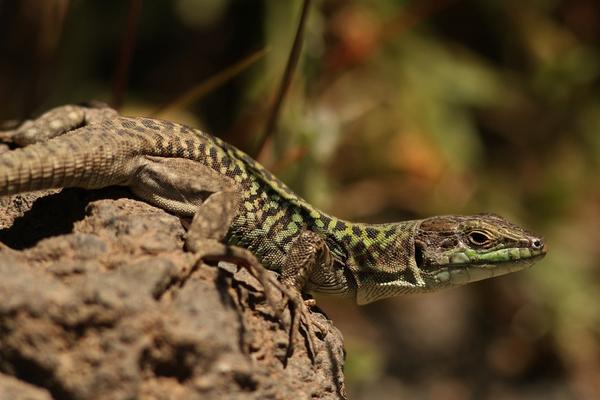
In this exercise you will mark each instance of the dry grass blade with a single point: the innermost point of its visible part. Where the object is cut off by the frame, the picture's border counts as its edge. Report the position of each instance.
(203, 88)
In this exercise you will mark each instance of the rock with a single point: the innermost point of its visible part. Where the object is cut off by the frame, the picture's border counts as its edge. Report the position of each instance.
(12, 388)
(99, 300)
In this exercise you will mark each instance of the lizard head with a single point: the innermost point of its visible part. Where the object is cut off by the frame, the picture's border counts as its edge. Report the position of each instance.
(455, 250)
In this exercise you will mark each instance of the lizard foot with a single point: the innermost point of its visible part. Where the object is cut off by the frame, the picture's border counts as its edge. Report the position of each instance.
(300, 312)
(55, 122)
(212, 250)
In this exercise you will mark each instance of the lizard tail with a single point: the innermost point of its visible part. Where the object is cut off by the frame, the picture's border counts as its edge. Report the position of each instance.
(86, 160)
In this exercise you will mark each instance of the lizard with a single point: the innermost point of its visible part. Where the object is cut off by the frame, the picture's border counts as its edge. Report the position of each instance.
(242, 212)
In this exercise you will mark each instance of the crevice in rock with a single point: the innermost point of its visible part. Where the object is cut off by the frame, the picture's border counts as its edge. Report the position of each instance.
(167, 360)
(31, 372)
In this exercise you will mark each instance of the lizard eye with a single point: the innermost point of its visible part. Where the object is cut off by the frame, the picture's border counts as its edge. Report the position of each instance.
(479, 238)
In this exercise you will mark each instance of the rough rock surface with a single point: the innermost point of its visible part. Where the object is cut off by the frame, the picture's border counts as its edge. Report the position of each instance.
(99, 300)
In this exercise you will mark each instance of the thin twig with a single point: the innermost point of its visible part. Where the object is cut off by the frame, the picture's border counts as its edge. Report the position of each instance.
(127, 45)
(290, 67)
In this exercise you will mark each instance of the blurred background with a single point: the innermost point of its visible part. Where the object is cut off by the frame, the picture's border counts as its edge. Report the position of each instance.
(397, 110)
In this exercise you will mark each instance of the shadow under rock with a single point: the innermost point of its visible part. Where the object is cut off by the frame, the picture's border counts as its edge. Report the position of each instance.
(54, 215)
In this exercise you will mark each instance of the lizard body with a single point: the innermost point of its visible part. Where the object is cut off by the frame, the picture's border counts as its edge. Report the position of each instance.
(191, 173)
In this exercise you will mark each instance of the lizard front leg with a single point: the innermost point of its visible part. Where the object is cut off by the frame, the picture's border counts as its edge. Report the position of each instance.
(308, 252)
(308, 263)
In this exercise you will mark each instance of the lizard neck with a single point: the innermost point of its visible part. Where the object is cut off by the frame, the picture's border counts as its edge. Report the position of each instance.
(382, 259)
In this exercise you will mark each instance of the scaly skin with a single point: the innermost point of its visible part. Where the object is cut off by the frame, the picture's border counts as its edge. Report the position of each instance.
(312, 250)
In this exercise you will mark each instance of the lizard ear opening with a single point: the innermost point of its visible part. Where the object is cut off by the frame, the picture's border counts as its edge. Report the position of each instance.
(419, 254)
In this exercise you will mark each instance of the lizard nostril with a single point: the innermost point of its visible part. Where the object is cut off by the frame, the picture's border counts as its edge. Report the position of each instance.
(537, 244)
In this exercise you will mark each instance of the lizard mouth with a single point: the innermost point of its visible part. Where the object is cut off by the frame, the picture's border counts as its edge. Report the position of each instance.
(454, 275)
(460, 273)
(499, 263)
(468, 258)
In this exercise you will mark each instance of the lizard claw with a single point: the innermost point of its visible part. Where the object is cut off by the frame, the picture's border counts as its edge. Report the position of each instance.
(299, 310)
(212, 250)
